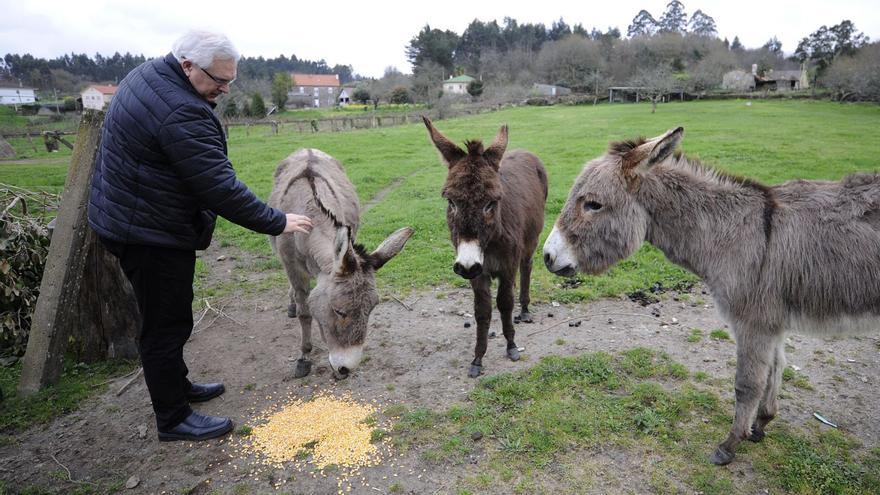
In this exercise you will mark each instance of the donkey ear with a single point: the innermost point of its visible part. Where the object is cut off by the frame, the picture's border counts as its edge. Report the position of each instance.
(494, 152)
(448, 150)
(344, 258)
(641, 159)
(390, 247)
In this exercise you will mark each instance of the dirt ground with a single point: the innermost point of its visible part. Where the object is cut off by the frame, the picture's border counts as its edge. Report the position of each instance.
(418, 353)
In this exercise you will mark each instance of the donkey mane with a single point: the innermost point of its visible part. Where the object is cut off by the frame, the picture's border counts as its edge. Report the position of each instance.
(474, 147)
(694, 168)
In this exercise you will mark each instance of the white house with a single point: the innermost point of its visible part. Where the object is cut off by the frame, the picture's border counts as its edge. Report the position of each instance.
(457, 85)
(97, 97)
(17, 96)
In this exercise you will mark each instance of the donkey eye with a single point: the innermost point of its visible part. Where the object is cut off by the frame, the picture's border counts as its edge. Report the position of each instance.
(592, 206)
(489, 206)
(339, 313)
(452, 206)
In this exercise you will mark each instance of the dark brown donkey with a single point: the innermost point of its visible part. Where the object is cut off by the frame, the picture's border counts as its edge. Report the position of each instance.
(495, 215)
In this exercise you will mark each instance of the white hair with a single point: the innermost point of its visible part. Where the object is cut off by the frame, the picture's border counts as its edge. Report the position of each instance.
(203, 47)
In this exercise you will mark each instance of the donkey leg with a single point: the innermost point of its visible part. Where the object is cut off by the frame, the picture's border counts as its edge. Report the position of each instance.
(525, 280)
(301, 292)
(504, 300)
(482, 286)
(769, 403)
(754, 355)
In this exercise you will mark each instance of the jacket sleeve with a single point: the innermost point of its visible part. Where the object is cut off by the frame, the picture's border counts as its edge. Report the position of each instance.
(193, 143)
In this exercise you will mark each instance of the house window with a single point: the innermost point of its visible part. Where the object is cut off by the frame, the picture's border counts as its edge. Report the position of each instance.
(302, 90)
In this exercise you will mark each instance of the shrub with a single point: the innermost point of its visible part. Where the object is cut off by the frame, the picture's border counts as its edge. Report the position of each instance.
(24, 244)
(400, 95)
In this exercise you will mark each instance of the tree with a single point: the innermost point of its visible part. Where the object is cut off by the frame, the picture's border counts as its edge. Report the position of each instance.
(574, 62)
(475, 88)
(674, 20)
(825, 44)
(400, 95)
(643, 24)
(655, 84)
(258, 106)
(773, 45)
(736, 45)
(230, 109)
(361, 95)
(433, 45)
(702, 24)
(280, 87)
(856, 77)
(558, 30)
(427, 82)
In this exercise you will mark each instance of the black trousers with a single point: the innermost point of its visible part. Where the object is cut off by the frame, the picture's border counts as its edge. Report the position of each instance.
(162, 279)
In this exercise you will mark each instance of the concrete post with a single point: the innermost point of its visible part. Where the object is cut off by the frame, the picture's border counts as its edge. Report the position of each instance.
(63, 273)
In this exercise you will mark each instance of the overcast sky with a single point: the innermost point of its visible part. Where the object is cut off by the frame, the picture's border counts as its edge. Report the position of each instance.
(372, 34)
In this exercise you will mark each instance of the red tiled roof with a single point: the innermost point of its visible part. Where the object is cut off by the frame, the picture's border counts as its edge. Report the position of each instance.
(315, 80)
(107, 90)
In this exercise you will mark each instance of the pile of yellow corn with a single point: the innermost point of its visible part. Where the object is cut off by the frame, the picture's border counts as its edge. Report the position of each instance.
(332, 429)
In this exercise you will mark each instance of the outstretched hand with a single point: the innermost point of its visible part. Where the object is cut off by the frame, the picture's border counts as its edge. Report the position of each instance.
(298, 223)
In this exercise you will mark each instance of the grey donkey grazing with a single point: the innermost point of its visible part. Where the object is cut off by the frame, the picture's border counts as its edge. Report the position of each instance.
(310, 182)
(801, 256)
(495, 215)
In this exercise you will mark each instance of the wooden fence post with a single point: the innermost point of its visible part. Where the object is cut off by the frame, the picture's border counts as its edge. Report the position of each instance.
(63, 273)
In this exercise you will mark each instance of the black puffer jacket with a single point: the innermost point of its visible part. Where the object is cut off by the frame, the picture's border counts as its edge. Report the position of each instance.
(162, 175)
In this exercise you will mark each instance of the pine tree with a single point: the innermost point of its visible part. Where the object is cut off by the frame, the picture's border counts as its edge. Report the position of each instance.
(643, 24)
(674, 20)
(702, 24)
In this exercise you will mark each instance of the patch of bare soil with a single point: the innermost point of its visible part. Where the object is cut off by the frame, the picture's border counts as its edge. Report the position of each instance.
(417, 353)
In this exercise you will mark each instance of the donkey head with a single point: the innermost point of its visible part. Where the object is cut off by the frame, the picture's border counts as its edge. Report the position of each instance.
(602, 222)
(473, 190)
(342, 300)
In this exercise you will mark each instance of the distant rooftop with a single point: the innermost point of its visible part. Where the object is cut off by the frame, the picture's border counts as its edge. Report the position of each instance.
(460, 79)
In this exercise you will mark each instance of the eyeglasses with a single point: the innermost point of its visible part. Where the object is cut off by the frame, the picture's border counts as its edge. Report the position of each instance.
(220, 82)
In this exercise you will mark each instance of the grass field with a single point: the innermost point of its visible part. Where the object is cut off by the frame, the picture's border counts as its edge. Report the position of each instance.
(771, 141)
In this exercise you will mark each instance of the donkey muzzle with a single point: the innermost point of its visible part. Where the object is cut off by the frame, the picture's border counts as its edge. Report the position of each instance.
(470, 272)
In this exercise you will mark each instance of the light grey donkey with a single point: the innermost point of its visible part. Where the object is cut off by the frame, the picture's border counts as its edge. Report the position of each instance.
(310, 182)
(801, 256)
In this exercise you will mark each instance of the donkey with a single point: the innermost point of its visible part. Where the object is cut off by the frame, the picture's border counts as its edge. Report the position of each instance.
(801, 256)
(310, 182)
(495, 214)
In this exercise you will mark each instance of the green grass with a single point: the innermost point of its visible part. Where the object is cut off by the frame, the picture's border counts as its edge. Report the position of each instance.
(771, 141)
(551, 424)
(695, 336)
(719, 334)
(78, 382)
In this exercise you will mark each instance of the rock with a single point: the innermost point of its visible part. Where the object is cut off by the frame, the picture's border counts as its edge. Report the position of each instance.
(467, 324)
(142, 431)
(476, 435)
(610, 321)
(221, 257)
(132, 482)
(549, 315)
(492, 335)
(554, 304)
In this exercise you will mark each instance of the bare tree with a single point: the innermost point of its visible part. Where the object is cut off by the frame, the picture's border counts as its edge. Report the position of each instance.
(655, 84)
(574, 62)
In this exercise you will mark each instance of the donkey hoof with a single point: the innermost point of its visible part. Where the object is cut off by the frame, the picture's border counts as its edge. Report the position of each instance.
(757, 435)
(513, 354)
(526, 317)
(722, 457)
(291, 310)
(303, 368)
(475, 371)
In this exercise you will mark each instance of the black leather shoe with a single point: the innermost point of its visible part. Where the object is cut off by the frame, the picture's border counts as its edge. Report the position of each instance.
(203, 392)
(197, 427)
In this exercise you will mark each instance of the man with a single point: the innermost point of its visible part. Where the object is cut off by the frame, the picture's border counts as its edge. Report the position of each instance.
(162, 176)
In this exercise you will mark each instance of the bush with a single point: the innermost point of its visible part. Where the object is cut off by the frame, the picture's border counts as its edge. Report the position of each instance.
(69, 104)
(24, 244)
(400, 95)
(538, 102)
(258, 106)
